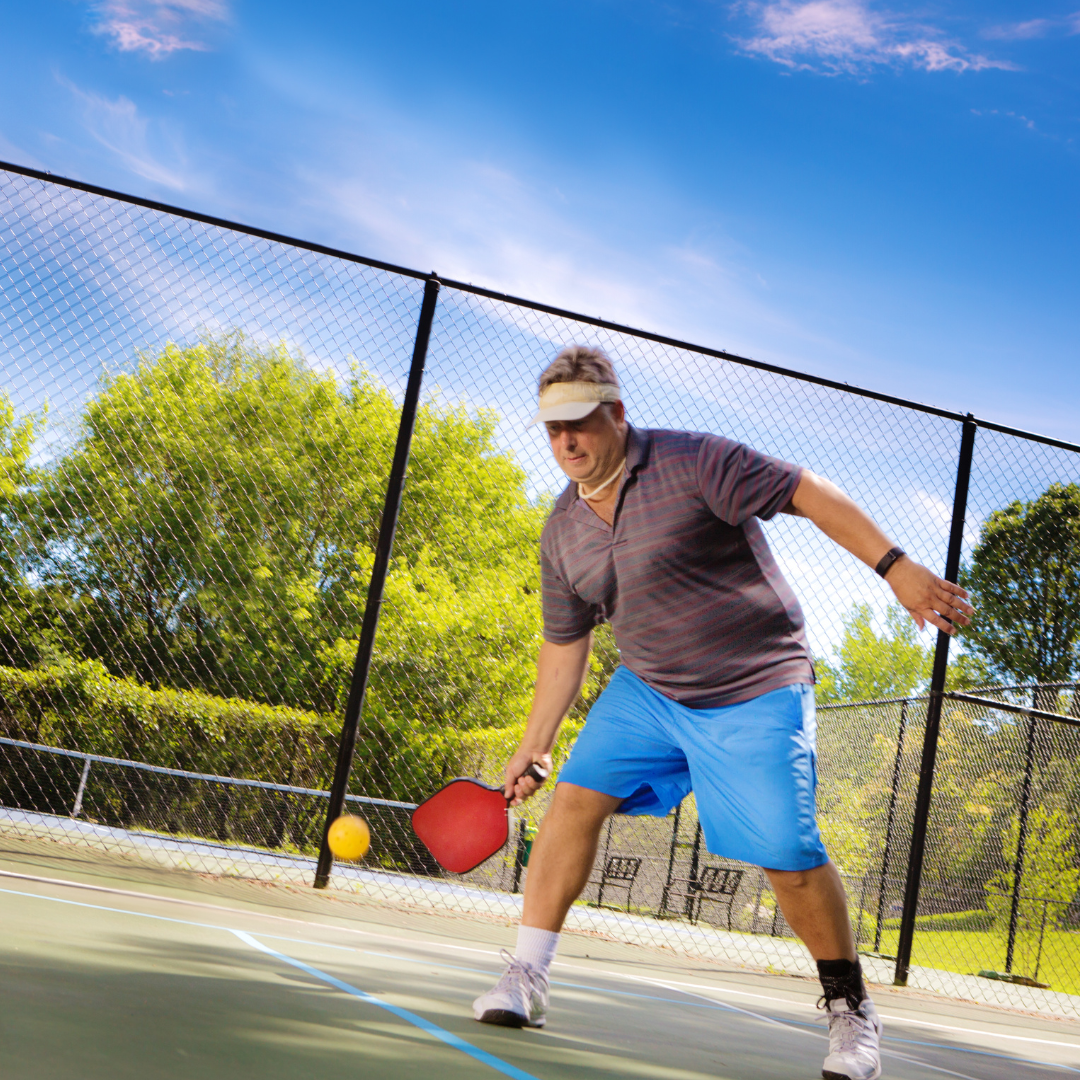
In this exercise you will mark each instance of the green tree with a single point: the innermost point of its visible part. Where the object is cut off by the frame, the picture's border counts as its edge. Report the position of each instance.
(17, 621)
(16, 439)
(871, 665)
(214, 524)
(1024, 576)
(1050, 872)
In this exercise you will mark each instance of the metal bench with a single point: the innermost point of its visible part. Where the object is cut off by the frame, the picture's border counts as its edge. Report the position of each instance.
(716, 884)
(619, 873)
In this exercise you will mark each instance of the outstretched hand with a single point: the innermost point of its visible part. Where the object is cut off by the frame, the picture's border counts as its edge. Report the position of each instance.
(518, 785)
(928, 598)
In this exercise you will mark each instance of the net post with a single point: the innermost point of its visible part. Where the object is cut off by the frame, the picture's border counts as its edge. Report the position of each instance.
(366, 646)
(933, 715)
(76, 810)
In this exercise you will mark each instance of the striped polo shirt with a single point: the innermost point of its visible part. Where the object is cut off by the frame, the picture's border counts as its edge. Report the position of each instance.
(685, 576)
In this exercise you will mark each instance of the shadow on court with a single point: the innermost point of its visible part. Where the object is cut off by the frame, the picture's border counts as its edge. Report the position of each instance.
(106, 985)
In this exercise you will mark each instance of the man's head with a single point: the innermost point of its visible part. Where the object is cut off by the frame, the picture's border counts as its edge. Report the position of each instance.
(581, 408)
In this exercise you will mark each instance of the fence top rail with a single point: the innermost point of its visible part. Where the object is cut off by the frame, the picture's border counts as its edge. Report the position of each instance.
(1003, 706)
(517, 301)
(876, 701)
(235, 781)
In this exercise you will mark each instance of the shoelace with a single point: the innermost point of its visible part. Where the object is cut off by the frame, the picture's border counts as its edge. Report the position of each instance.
(515, 969)
(848, 1027)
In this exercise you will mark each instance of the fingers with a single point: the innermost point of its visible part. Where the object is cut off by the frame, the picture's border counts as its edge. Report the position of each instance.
(930, 599)
(942, 624)
(520, 785)
(953, 601)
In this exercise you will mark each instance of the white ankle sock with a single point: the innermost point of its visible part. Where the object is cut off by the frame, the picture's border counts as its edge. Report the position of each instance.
(536, 947)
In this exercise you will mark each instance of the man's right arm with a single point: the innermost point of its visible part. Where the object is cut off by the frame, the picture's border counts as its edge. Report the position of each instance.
(560, 674)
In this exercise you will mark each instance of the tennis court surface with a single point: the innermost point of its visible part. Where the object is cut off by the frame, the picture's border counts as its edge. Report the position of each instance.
(116, 969)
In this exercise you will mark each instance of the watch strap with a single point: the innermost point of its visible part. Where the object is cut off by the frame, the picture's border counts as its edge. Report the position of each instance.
(887, 560)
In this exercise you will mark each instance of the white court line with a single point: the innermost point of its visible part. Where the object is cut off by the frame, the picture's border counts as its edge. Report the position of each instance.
(414, 943)
(812, 1034)
(418, 1021)
(517, 1074)
(423, 1024)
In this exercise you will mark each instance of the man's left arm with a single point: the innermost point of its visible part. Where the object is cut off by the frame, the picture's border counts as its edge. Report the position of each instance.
(927, 598)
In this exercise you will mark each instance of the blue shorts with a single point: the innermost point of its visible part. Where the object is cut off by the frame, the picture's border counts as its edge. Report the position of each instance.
(751, 767)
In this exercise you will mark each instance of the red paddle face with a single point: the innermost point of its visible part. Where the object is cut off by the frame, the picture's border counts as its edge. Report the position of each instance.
(463, 824)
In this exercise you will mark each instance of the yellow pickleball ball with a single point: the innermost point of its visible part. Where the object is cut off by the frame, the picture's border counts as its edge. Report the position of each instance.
(349, 838)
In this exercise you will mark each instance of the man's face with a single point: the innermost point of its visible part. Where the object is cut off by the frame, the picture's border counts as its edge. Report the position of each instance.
(588, 450)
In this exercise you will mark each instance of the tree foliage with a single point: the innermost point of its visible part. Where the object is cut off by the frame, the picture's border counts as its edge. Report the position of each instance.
(1050, 871)
(213, 528)
(871, 664)
(1024, 575)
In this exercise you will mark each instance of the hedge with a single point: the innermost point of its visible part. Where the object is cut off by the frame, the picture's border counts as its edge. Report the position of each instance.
(80, 706)
(952, 920)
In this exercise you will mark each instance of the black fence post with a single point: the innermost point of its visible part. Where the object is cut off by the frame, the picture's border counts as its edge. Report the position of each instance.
(933, 716)
(890, 823)
(1021, 841)
(671, 859)
(383, 549)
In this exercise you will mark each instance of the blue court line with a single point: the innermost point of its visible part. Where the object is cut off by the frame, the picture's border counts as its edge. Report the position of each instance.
(417, 1021)
(720, 1006)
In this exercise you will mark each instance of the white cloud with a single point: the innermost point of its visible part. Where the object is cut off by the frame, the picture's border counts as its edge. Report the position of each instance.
(848, 36)
(1034, 28)
(156, 27)
(118, 126)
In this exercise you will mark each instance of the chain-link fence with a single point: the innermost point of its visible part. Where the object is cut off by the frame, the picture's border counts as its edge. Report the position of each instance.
(199, 428)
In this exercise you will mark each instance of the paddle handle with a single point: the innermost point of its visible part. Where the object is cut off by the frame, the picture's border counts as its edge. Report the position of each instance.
(533, 772)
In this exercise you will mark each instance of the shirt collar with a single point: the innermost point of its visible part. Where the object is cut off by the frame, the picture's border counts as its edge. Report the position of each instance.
(638, 445)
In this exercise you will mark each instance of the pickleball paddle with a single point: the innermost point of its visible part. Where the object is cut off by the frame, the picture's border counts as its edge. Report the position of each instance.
(466, 821)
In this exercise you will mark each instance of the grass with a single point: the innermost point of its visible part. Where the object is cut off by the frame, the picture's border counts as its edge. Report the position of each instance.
(969, 951)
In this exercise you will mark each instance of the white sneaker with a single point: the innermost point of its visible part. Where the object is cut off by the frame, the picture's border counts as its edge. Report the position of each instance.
(854, 1042)
(518, 999)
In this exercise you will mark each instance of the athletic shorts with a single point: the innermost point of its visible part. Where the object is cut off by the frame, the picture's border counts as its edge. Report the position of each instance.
(751, 767)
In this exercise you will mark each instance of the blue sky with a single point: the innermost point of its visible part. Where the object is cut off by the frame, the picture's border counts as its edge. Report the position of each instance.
(886, 195)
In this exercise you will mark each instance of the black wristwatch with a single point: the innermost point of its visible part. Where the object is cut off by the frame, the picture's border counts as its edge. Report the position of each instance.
(890, 556)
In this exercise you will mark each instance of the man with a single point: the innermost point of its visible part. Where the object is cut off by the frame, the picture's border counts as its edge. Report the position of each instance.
(659, 534)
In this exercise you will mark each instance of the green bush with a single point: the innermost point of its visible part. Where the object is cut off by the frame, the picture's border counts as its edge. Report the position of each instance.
(80, 706)
(953, 920)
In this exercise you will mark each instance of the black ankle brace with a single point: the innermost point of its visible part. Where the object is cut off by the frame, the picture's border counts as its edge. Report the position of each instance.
(841, 979)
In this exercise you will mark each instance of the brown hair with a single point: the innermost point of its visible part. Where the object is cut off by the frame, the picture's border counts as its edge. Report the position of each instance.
(578, 363)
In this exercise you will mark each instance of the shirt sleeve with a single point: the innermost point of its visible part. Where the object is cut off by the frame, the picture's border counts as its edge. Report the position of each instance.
(566, 616)
(738, 483)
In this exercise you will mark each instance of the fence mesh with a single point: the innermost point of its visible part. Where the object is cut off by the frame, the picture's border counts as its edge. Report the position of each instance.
(196, 430)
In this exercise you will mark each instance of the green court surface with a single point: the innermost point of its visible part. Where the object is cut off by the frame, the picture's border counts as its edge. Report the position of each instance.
(114, 970)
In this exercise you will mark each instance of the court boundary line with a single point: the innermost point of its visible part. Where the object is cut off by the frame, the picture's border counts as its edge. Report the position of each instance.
(427, 1026)
(794, 1026)
(667, 984)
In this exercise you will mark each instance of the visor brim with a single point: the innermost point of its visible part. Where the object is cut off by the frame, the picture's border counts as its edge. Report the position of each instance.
(570, 410)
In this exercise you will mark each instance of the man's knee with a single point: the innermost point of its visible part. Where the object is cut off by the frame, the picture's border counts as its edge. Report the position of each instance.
(583, 804)
(794, 880)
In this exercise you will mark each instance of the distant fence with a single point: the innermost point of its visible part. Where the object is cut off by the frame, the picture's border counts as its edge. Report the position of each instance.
(208, 437)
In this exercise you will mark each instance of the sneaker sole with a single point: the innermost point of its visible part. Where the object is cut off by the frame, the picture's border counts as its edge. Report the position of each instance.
(507, 1018)
(829, 1075)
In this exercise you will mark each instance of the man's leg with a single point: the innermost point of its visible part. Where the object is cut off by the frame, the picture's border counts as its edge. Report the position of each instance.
(815, 906)
(563, 854)
(559, 865)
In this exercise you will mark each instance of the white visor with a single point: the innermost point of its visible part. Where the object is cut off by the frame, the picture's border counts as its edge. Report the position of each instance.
(573, 400)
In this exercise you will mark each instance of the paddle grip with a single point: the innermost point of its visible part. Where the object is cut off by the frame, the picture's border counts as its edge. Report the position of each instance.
(535, 772)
